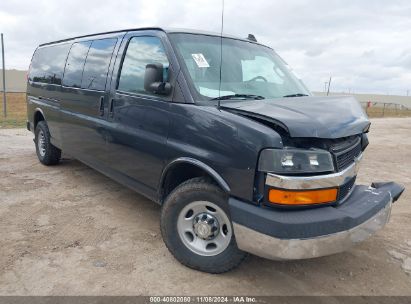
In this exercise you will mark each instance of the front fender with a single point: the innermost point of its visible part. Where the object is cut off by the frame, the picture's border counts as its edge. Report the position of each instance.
(188, 160)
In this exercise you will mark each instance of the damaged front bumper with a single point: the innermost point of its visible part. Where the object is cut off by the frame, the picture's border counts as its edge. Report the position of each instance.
(303, 234)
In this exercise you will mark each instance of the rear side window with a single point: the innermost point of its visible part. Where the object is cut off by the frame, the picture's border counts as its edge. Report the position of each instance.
(47, 65)
(140, 52)
(75, 63)
(97, 64)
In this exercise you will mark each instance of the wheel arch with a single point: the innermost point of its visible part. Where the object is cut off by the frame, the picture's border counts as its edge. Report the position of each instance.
(37, 117)
(183, 169)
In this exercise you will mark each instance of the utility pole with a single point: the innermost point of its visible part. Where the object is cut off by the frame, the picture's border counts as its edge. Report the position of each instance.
(408, 92)
(4, 78)
(325, 86)
(329, 84)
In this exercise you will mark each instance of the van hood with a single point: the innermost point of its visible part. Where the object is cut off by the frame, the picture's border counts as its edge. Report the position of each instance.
(322, 117)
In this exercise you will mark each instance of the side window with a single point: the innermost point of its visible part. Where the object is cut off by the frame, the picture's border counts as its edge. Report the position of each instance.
(47, 65)
(140, 52)
(75, 63)
(97, 64)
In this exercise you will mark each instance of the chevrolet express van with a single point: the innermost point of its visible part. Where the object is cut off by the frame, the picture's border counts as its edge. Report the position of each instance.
(219, 131)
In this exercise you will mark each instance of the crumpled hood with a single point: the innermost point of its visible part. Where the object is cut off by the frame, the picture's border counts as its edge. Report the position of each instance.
(322, 117)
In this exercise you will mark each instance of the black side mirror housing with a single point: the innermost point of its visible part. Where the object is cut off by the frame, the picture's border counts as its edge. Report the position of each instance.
(153, 80)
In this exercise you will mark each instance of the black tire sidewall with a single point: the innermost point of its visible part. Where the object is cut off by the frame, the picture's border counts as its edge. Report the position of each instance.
(52, 154)
(40, 127)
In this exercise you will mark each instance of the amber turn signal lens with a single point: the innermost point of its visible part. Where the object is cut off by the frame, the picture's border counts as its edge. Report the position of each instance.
(310, 197)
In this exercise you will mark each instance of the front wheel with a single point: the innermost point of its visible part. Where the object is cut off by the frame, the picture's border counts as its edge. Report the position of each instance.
(197, 229)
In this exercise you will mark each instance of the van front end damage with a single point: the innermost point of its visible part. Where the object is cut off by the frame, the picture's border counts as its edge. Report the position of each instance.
(307, 202)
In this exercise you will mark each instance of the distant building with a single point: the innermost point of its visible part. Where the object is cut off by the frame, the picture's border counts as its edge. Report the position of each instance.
(15, 80)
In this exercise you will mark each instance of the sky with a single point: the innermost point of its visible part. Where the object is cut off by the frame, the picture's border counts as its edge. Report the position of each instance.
(364, 45)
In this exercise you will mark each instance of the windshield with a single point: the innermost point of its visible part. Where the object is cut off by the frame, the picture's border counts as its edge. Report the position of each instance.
(248, 69)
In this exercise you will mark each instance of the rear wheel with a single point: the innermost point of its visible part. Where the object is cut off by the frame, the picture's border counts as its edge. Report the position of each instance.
(47, 153)
(197, 229)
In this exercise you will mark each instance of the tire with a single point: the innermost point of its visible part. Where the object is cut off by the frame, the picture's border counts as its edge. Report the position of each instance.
(189, 209)
(47, 153)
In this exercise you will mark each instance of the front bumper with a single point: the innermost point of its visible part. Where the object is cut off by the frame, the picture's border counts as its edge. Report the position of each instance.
(302, 234)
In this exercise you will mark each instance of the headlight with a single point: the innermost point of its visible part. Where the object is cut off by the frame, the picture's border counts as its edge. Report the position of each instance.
(295, 161)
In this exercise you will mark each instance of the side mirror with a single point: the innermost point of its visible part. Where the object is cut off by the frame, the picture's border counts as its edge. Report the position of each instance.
(153, 80)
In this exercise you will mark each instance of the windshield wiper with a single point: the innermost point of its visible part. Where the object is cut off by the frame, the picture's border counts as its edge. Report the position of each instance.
(296, 95)
(239, 96)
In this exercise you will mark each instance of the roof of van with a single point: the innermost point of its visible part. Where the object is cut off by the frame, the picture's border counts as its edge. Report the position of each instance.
(166, 30)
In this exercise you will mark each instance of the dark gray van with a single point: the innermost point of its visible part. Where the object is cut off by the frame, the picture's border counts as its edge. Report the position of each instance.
(219, 131)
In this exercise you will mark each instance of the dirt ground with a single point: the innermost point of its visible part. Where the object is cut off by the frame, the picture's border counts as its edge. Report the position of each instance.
(68, 230)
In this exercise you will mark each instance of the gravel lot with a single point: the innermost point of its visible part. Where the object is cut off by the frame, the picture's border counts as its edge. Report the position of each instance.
(68, 230)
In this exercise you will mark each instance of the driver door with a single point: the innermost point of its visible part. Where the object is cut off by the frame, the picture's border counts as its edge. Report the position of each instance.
(138, 120)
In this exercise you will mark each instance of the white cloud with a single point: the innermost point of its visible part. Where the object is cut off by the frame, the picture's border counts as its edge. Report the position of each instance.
(364, 44)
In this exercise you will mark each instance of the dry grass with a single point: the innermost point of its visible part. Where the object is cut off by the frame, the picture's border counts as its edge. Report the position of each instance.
(375, 112)
(16, 111)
